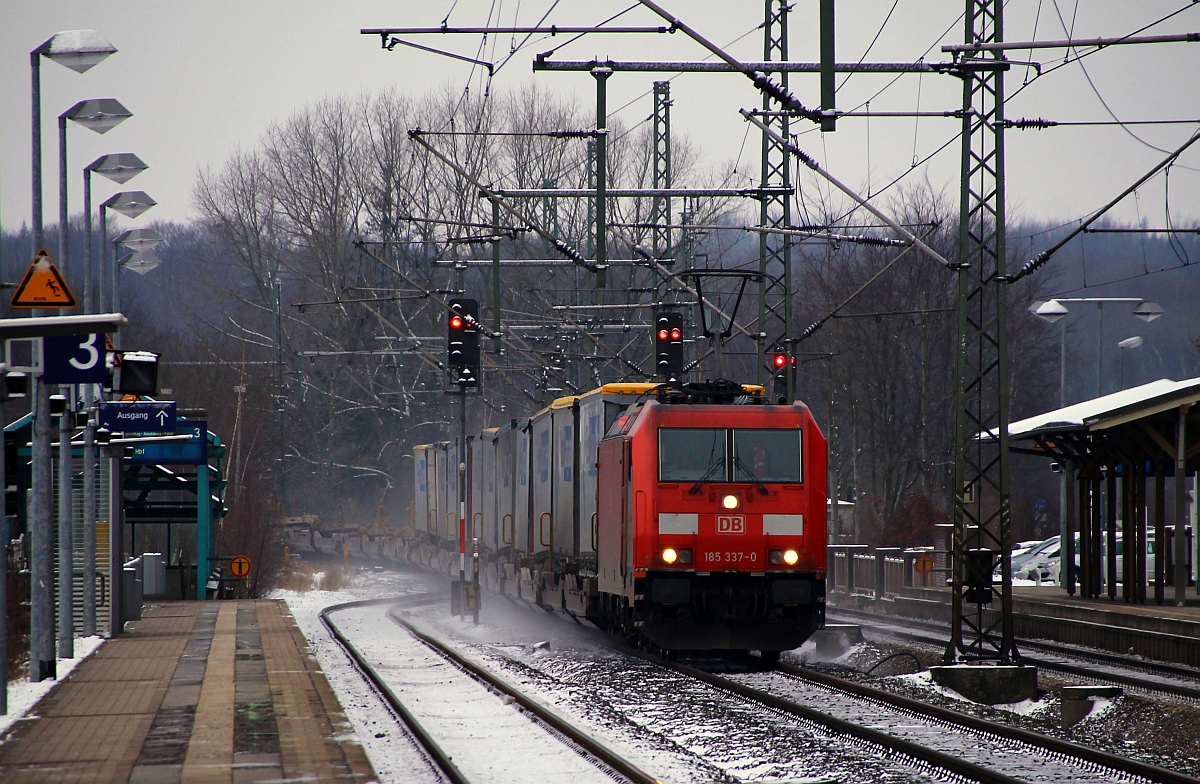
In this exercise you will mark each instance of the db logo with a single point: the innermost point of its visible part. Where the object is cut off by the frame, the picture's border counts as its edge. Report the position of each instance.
(731, 524)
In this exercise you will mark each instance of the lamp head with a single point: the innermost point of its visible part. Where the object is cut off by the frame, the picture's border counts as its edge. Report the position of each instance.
(129, 203)
(120, 167)
(1048, 310)
(1148, 311)
(78, 50)
(1132, 342)
(140, 262)
(98, 114)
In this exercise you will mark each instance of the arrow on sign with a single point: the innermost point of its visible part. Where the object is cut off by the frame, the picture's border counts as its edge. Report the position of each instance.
(162, 418)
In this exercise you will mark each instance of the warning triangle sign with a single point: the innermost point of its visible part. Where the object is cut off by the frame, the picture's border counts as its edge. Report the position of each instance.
(43, 286)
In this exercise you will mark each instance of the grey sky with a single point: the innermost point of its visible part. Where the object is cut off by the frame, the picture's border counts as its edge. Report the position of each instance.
(206, 78)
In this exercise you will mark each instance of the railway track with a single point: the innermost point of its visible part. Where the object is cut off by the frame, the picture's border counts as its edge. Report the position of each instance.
(442, 752)
(978, 750)
(1096, 666)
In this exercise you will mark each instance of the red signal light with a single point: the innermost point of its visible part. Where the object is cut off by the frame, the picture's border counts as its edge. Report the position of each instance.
(663, 334)
(676, 334)
(456, 322)
(779, 360)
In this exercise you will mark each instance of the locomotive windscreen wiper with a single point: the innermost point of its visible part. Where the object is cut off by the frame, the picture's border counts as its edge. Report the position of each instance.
(712, 469)
(737, 461)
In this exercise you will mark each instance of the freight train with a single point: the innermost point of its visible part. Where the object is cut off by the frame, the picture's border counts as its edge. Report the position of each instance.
(681, 516)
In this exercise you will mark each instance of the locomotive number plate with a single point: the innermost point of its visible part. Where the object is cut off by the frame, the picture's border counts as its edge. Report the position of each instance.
(729, 557)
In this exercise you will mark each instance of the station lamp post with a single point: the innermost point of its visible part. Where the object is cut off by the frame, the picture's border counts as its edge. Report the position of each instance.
(1122, 347)
(100, 115)
(78, 50)
(120, 168)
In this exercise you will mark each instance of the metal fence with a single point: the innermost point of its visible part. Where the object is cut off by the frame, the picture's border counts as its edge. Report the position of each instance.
(883, 573)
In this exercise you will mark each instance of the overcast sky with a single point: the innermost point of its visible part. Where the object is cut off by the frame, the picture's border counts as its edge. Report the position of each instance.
(205, 78)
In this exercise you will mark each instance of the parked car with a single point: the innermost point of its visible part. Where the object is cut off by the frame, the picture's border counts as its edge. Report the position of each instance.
(1034, 563)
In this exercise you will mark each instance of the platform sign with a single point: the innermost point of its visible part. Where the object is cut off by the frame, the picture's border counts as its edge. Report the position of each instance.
(239, 566)
(74, 359)
(194, 451)
(43, 286)
(138, 416)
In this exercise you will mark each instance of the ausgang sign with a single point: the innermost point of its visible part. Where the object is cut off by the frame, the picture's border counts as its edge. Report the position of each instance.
(138, 416)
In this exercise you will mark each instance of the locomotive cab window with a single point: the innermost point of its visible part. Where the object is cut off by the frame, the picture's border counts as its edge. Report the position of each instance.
(766, 456)
(691, 455)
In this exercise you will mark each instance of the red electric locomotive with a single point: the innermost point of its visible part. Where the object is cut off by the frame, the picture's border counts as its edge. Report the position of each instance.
(710, 529)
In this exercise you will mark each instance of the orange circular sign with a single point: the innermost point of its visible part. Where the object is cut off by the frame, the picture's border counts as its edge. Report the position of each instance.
(924, 564)
(239, 566)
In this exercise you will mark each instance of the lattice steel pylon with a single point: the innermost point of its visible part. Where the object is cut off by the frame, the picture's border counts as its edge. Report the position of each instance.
(660, 206)
(982, 518)
(774, 250)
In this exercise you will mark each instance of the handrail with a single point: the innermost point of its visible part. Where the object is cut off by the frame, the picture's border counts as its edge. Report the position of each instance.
(511, 530)
(431, 520)
(542, 530)
(595, 541)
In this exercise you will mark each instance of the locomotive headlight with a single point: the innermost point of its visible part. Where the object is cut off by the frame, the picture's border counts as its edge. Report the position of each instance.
(777, 557)
(730, 501)
(681, 556)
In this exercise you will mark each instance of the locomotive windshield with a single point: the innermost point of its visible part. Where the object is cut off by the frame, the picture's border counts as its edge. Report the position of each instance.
(729, 455)
(766, 455)
(691, 455)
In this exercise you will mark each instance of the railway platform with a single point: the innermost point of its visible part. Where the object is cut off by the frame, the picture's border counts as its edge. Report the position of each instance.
(1165, 633)
(193, 692)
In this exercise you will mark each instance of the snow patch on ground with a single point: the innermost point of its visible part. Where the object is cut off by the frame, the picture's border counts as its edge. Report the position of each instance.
(1100, 706)
(924, 680)
(23, 694)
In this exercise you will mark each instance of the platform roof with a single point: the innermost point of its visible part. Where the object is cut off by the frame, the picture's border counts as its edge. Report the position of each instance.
(1110, 410)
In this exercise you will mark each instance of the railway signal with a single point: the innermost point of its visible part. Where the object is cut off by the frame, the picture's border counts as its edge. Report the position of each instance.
(668, 345)
(780, 361)
(462, 341)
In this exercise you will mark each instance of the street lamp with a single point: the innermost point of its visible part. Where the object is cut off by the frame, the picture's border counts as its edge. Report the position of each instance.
(100, 115)
(78, 50)
(120, 168)
(1127, 343)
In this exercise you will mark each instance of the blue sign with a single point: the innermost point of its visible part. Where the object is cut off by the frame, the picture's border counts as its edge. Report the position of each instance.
(74, 359)
(194, 451)
(138, 416)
